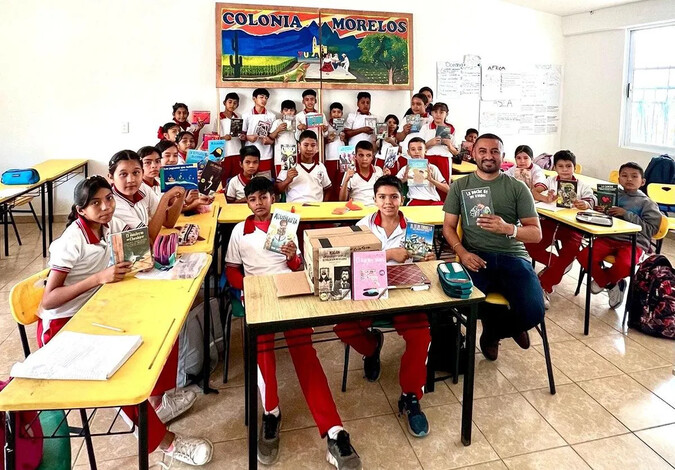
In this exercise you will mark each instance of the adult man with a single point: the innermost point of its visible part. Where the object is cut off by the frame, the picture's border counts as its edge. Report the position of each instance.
(493, 248)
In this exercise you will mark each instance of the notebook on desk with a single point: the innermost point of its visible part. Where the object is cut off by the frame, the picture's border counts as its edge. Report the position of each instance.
(78, 356)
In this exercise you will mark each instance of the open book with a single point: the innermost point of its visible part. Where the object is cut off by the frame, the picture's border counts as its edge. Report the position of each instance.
(78, 356)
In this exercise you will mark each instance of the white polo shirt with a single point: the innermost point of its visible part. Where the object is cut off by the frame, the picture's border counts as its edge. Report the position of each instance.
(309, 185)
(232, 146)
(251, 121)
(424, 120)
(427, 192)
(584, 191)
(428, 132)
(355, 121)
(360, 188)
(536, 176)
(331, 150)
(79, 253)
(283, 138)
(235, 187)
(397, 237)
(137, 212)
(155, 186)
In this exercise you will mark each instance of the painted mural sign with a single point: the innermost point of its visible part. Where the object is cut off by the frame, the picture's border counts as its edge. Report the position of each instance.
(294, 47)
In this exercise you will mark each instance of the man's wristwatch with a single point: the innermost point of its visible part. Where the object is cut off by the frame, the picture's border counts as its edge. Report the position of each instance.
(515, 232)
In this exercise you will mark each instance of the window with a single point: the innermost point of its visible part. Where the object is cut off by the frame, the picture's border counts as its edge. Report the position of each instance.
(649, 120)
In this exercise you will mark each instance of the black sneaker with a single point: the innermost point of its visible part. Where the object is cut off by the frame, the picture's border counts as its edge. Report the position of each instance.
(268, 439)
(341, 454)
(418, 425)
(371, 364)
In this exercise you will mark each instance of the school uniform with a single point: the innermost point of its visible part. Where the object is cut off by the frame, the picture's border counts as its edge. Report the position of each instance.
(232, 148)
(533, 176)
(381, 155)
(155, 186)
(440, 154)
(235, 187)
(360, 188)
(357, 120)
(137, 211)
(283, 138)
(251, 121)
(425, 119)
(331, 161)
(309, 185)
(423, 195)
(414, 328)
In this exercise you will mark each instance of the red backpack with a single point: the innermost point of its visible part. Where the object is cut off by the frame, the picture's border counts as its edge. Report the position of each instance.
(28, 442)
(652, 307)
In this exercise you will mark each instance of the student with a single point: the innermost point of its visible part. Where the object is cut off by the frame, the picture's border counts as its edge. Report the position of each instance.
(425, 195)
(257, 125)
(79, 266)
(355, 125)
(168, 152)
(429, 98)
(281, 134)
(152, 162)
(467, 145)
(185, 141)
(334, 140)
(234, 143)
(308, 181)
(246, 257)
(309, 102)
(633, 206)
(418, 105)
(440, 150)
(389, 225)
(388, 142)
(525, 170)
(180, 117)
(570, 239)
(249, 161)
(358, 184)
(168, 131)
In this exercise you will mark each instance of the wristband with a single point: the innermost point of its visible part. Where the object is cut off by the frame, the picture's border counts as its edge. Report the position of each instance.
(453, 246)
(515, 232)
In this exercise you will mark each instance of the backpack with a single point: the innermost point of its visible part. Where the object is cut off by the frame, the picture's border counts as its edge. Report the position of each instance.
(661, 169)
(443, 352)
(544, 161)
(652, 307)
(28, 442)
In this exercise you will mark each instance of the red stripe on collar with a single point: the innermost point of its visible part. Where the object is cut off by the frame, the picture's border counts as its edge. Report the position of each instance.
(137, 197)
(557, 178)
(223, 116)
(88, 233)
(305, 168)
(183, 125)
(370, 174)
(401, 219)
(250, 225)
(242, 179)
(264, 111)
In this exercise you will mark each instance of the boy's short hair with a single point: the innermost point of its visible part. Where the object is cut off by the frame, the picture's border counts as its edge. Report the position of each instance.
(416, 139)
(426, 88)
(362, 94)
(633, 166)
(259, 184)
(364, 145)
(336, 105)
(309, 92)
(564, 155)
(420, 96)
(231, 96)
(439, 106)
(471, 130)
(388, 180)
(307, 134)
(288, 104)
(182, 134)
(489, 135)
(261, 91)
(249, 151)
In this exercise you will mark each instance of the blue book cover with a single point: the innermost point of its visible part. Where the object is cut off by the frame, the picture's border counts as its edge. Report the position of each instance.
(419, 239)
(216, 150)
(418, 170)
(178, 175)
(314, 119)
(197, 157)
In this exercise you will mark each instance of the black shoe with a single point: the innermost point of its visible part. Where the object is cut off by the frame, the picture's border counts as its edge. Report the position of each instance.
(341, 454)
(489, 347)
(371, 364)
(418, 425)
(268, 439)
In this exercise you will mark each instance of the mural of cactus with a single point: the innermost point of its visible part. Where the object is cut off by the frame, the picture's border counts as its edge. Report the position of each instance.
(235, 58)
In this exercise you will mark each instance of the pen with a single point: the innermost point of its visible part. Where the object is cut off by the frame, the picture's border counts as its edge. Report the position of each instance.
(108, 327)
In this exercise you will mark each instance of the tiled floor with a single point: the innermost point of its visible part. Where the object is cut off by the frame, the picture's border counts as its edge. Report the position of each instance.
(614, 407)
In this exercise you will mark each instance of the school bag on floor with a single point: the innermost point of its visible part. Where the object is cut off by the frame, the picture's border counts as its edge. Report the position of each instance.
(544, 161)
(652, 307)
(28, 443)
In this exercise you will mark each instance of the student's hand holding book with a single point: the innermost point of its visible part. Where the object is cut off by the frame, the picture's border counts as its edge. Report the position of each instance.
(400, 255)
(291, 174)
(617, 211)
(114, 273)
(581, 204)
(407, 128)
(289, 250)
(433, 141)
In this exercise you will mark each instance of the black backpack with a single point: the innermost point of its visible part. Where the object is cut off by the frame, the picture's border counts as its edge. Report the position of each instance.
(661, 169)
(652, 306)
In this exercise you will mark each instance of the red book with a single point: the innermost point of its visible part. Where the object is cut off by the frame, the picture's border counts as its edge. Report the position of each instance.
(204, 116)
(405, 276)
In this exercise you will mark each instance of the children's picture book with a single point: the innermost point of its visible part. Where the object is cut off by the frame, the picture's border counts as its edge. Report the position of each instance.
(468, 146)
(197, 157)
(381, 130)
(443, 132)
(203, 116)
(290, 123)
(418, 172)
(236, 126)
(347, 158)
(339, 125)
(335, 281)
(371, 122)
(476, 202)
(289, 156)
(210, 178)
(314, 119)
(608, 195)
(419, 240)
(405, 276)
(283, 228)
(415, 121)
(178, 175)
(133, 246)
(390, 157)
(263, 128)
(216, 149)
(567, 193)
(369, 274)
(524, 175)
(206, 139)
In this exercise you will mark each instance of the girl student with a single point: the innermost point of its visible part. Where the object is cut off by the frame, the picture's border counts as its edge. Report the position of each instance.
(440, 149)
(152, 162)
(383, 145)
(79, 266)
(168, 131)
(525, 170)
(234, 142)
(180, 117)
(185, 141)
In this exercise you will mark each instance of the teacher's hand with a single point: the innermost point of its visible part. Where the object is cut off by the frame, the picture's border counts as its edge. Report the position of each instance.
(472, 261)
(494, 224)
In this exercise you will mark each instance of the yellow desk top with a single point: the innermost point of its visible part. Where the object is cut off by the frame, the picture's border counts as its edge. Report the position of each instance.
(56, 168)
(263, 305)
(568, 217)
(589, 180)
(464, 167)
(207, 223)
(156, 310)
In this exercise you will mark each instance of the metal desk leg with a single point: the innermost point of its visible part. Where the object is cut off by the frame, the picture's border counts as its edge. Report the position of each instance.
(143, 436)
(43, 217)
(633, 252)
(206, 368)
(467, 393)
(252, 375)
(587, 310)
(5, 230)
(10, 439)
(50, 208)
(430, 386)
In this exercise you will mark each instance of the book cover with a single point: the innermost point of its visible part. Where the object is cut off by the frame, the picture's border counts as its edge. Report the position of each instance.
(216, 149)
(206, 139)
(418, 171)
(468, 146)
(369, 275)
(567, 193)
(283, 228)
(347, 156)
(335, 282)
(524, 175)
(314, 119)
(415, 121)
(404, 276)
(443, 132)
(339, 125)
(371, 122)
(290, 123)
(178, 175)
(203, 116)
(289, 156)
(476, 202)
(197, 157)
(210, 178)
(236, 126)
(419, 240)
(391, 157)
(381, 130)
(133, 246)
(608, 195)
(263, 128)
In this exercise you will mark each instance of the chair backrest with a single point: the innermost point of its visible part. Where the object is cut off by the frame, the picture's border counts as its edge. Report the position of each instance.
(614, 176)
(663, 228)
(662, 193)
(578, 169)
(25, 298)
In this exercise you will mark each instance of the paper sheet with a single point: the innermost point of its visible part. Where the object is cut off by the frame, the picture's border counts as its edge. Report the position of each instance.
(188, 266)
(549, 206)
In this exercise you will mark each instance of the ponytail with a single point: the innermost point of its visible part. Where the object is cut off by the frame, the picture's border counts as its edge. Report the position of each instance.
(84, 193)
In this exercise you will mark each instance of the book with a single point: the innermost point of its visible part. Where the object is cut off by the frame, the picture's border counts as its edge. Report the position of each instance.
(417, 171)
(390, 157)
(405, 276)
(133, 246)
(206, 139)
(371, 121)
(381, 130)
(197, 157)
(567, 193)
(216, 149)
(476, 202)
(314, 119)
(178, 175)
(369, 275)
(339, 125)
(290, 123)
(443, 132)
(524, 175)
(468, 146)
(289, 156)
(283, 228)
(347, 156)
(335, 282)
(203, 116)
(236, 126)
(419, 240)
(608, 196)
(263, 128)
(415, 121)
(210, 178)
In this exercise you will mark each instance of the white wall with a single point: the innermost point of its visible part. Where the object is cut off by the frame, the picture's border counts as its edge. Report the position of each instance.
(77, 69)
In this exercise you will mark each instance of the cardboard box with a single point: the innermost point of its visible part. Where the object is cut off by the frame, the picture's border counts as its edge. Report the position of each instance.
(357, 238)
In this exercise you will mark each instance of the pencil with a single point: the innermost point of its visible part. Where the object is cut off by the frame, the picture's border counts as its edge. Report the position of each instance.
(114, 328)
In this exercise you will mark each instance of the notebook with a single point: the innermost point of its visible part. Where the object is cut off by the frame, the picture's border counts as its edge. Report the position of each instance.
(404, 276)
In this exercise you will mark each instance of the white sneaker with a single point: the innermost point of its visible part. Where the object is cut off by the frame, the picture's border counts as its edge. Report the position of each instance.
(175, 403)
(191, 450)
(595, 288)
(547, 300)
(617, 293)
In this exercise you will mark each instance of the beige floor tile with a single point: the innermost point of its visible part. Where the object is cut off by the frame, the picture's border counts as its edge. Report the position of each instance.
(512, 426)
(632, 404)
(11, 351)
(526, 369)
(555, 335)
(624, 353)
(620, 452)
(579, 362)
(570, 317)
(662, 346)
(661, 440)
(488, 381)
(120, 446)
(612, 317)
(362, 398)
(660, 381)
(442, 448)
(494, 465)
(332, 354)
(574, 414)
(563, 458)
(123, 463)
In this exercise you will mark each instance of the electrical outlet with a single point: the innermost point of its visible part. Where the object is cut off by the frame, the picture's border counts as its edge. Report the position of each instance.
(125, 128)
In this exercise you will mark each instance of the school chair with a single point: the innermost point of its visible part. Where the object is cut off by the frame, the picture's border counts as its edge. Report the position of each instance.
(24, 301)
(22, 201)
(613, 176)
(578, 169)
(662, 194)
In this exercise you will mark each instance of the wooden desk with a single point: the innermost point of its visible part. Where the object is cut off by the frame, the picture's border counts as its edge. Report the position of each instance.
(464, 167)
(265, 313)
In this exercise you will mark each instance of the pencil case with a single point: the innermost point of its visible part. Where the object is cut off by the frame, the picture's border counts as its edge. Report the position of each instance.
(164, 251)
(455, 280)
(189, 234)
(20, 176)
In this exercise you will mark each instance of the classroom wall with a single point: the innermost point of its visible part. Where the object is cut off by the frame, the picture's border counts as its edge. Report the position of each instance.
(78, 69)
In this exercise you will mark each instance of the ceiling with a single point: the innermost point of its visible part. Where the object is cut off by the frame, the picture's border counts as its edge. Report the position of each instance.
(568, 7)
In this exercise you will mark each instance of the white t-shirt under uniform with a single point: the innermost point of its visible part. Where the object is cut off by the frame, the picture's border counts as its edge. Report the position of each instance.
(360, 188)
(427, 192)
(309, 185)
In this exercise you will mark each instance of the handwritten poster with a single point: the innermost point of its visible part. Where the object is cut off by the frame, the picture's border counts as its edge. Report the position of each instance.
(456, 79)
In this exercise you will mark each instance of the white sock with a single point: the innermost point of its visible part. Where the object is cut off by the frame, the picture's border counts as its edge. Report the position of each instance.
(333, 432)
(274, 412)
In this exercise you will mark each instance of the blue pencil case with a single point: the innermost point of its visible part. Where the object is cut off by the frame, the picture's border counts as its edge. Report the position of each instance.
(20, 176)
(455, 280)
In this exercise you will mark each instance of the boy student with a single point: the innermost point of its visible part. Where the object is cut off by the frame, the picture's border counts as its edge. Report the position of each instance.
(309, 102)
(246, 257)
(358, 184)
(280, 132)
(633, 206)
(234, 142)
(249, 160)
(308, 181)
(355, 125)
(426, 195)
(257, 126)
(467, 145)
(334, 140)
(563, 163)
(389, 225)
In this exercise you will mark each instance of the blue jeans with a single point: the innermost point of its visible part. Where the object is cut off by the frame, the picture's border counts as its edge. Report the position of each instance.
(514, 278)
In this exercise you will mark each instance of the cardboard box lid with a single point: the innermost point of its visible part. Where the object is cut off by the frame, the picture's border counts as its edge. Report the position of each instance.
(353, 236)
(292, 284)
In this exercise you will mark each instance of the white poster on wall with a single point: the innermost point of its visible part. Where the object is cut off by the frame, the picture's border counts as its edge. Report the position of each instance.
(456, 79)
